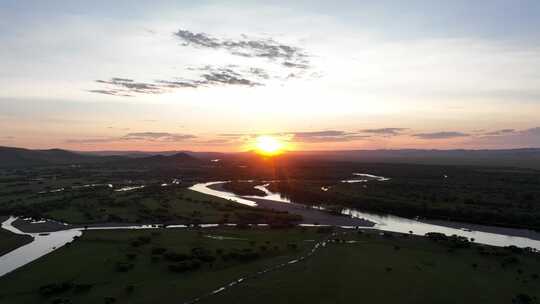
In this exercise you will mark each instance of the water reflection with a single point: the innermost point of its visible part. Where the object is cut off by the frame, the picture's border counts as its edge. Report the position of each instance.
(204, 188)
(404, 225)
(274, 196)
(40, 246)
(498, 236)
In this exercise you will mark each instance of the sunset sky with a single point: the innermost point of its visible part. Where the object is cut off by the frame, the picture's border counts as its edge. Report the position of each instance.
(322, 75)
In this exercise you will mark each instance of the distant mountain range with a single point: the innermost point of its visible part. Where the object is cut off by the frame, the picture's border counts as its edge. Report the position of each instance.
(524, 158)
(139, 154)
(18, 157)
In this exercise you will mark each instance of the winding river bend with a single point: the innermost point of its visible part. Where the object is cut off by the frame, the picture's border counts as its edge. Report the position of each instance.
(482, 234)
(40, 246)
(45, 243)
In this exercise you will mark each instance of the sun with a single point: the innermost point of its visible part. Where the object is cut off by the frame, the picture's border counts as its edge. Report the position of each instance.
(268, 145)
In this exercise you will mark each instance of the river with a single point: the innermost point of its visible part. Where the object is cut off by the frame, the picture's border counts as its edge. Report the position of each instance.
(482, 234)
(45, 243)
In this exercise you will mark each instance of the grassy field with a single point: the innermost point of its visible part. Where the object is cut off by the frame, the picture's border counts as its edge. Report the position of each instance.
(164, 205)
(377, 269)
(130, 266)
(76, 199)
(157, 267)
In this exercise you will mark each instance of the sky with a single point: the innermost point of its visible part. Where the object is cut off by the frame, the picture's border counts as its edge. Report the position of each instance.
(320, 75)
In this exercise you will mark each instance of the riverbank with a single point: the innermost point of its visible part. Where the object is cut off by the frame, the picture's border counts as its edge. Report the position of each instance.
(309, 215)
(10, 241)
(516, 232)
(388, 222)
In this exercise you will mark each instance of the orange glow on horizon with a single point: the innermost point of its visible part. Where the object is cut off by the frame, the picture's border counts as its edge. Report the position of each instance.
(269, 145)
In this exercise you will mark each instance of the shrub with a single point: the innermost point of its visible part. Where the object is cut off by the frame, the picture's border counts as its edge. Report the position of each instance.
(176, 257)
(158, 250)
(62, 301)
(135, 243)
(511, 260)
(292, 246)
(109, 300)
(130, 288)
(522, 299)
(184, 266)
(203, 254)
(131, 256)
(55, 288)
(144, 239)
(124, 267)
(82, 287)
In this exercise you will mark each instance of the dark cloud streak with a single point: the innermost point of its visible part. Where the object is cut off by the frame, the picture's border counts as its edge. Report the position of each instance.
(290, 56)
(385, 131)
(137, 136)
(441, 135)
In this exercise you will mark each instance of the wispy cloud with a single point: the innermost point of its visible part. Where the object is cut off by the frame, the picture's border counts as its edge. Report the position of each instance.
(326, 136)
(94, 140)
(208, 76)
(137, 136)
(133, 86)
(441, 135)
(385, 131)
(158, 136)
(500, 132)
(305, 137)
(111, 92)
(226, 76)
(532, 131)
(509, 138)
(7, 138)
(286, 62)
(289, 56)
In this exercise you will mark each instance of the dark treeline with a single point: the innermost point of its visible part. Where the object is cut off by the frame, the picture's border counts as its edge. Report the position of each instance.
(504, 197)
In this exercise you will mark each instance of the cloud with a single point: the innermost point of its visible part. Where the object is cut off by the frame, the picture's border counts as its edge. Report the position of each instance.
(7, 138)
(509, 138)
(158, 136)
(500, 132)
(260, 73)
(172, 84)
(441, 135)
(226, 76)
(293, 61)
(208, 76)
(111, 92)
(385, 131)
(532, 131)
(132, 86)
(295, 65)
(137, 136)
(90, 140)
(306, 137)
(216, 141)
(327, 136)
(290, 56)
